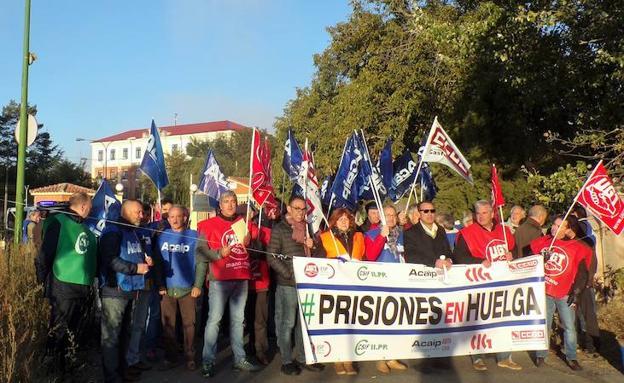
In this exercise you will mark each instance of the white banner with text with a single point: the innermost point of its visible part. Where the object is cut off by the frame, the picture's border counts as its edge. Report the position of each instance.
(354, 311)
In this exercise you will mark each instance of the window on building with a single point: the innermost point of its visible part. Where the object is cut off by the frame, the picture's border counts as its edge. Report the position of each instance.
(100, 155)
(137, 153)
(174, 148)
(112, 155)
(124, 154)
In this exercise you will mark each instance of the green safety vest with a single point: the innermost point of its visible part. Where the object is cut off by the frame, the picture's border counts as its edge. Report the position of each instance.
(76, 252)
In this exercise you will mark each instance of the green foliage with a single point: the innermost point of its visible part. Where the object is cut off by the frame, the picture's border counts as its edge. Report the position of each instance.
(557, 190)
(498, 74)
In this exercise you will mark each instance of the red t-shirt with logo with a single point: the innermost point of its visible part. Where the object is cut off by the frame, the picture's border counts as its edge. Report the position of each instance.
(219, 233)
(485, 244)
(561, 268)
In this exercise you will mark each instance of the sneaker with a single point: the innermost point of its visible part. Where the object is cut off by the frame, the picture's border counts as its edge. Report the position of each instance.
(316, 367)
(510, 364)
(245, 365)
(208, 370)
(382, 367)
(349, 369)
(574, 365)
(340, 370)
(479, 365)
(396, 365)
(290, 369)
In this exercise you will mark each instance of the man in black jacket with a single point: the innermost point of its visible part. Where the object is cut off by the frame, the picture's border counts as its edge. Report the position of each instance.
(529, 230)
(289, 239)
(123, 264)
(66, 265)
(425, 242)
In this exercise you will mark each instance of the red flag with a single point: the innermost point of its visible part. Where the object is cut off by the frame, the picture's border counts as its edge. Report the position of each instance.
(497, 193)
(261, 187)
(600, 197)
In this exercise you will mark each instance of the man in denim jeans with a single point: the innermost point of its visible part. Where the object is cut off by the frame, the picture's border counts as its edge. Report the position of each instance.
(229, 277)
(289, 239)
(565, 266)
(122, 269)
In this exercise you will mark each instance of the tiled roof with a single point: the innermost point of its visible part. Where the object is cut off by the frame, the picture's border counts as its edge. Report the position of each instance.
(178, 130)
(64, 187)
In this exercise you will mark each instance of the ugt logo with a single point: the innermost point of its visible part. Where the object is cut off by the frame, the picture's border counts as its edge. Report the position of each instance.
(557, 263)
(480, 342)
(495, 250)
(602, 197)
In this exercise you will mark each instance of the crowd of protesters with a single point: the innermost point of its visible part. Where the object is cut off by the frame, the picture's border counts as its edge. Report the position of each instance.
(161, 282)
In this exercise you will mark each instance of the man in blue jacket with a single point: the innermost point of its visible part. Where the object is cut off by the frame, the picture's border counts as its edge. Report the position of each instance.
(123, 264)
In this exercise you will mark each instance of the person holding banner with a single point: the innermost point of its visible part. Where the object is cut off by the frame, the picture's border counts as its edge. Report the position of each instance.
(342, 241)
(229, 281)
(426, 242)
(385, 244)
(484, 242)
(66, 266)
(566, 260)
(289, 240)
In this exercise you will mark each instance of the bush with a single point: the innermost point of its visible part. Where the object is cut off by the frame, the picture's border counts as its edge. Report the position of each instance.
(23, 316)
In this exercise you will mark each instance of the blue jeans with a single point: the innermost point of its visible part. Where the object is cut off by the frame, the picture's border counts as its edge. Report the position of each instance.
(286, 303)
(566, 316)
(221, 293)
(139, 316)
(116, 313)
(153, 330)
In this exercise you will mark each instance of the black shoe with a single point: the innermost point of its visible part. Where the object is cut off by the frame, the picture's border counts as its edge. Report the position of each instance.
(574, 365)
(539, 361)
(290, 369)
(316, 367)
(141, 366)
(208, 370)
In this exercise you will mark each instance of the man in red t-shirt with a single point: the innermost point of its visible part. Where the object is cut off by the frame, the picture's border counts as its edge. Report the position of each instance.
(563, 260)
(229, 279)
(484, 242)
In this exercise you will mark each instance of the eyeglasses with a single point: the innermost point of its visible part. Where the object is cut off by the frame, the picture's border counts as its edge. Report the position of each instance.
(432, 211)
(298, 208)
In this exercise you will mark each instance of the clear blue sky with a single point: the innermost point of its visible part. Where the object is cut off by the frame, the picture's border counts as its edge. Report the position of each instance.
(108, 66)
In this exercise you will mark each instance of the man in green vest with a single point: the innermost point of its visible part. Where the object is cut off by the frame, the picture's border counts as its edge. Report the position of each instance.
(66, 265)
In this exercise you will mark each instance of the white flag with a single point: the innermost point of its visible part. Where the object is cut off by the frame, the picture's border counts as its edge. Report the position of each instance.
(440, 148)
(309, 183)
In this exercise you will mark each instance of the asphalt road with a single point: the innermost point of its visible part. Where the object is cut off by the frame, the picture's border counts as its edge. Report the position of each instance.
(460, 370)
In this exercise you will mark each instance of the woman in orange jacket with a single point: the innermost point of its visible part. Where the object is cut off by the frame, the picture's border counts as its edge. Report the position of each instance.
(343, 242)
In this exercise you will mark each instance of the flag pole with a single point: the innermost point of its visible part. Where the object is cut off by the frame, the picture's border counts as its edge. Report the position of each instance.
(251, 154)
(574, 203)
(372, 184)
(419, 165)
(305, 187)
(500, 211)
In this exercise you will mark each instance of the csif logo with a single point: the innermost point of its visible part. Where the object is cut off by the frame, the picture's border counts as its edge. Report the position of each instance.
(363, 273)
(364, 346)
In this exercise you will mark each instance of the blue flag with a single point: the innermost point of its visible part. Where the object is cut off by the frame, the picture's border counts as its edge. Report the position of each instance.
(404, 170)
(430, 189)
(326, 187)
(293, 157)
(212, 180)
(106, 207)
(384, 164)
(344, 190)
(153, 164)
(369, 172)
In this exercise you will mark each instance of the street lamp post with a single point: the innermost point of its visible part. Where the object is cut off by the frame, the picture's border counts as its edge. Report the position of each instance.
(105, 145)
(21, 148)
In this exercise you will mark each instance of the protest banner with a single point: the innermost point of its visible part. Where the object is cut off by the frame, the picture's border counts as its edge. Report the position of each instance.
(356, 311)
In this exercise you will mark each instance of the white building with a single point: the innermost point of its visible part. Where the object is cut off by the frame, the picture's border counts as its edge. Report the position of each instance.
(119, 156)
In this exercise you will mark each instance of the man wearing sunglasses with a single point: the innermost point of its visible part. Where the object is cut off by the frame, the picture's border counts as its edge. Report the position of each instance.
(425, 242)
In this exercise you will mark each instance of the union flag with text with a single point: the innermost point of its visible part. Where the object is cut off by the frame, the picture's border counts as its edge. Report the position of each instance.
(599, 196)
